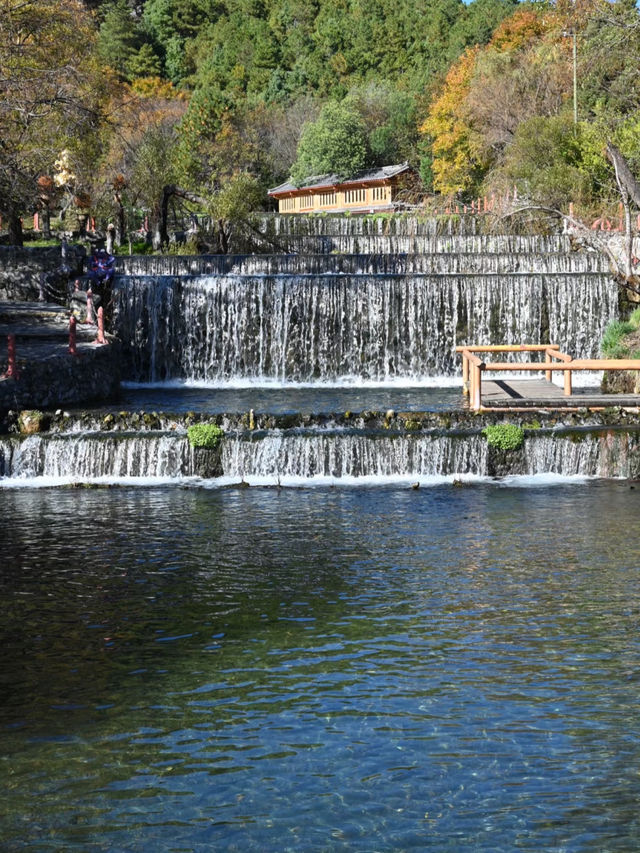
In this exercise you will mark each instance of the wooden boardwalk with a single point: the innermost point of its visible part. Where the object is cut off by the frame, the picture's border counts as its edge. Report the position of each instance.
(540, 394)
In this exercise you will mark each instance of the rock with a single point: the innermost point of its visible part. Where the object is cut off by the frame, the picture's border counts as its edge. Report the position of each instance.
(31, 421)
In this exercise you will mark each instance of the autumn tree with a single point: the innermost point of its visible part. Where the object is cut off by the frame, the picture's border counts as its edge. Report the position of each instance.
(523, 71)
(51, 88)
(139, 145)
(457, 163)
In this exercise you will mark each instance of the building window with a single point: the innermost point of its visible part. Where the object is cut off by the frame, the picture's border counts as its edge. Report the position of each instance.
(327, 199)
(379, 193)
(355, 196)
(288, 203)
(306, 201)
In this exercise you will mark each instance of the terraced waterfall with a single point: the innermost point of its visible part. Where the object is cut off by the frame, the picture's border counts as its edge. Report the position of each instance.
(345, 300)
(339, 301)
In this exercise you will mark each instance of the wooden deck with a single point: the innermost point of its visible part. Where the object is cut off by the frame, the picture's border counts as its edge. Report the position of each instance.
(540, 394)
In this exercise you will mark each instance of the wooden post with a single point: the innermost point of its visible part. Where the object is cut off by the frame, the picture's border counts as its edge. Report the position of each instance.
(12, 371)
(90, 318)
(465, 373)
(547, 360)
(100, 339)
(476, 388)
(72, 336)
(567, 383)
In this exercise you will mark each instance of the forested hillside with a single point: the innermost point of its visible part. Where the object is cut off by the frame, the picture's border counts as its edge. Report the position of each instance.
(105, 103)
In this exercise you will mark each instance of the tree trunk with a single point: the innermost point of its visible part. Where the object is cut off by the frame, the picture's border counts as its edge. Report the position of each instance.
(15, 229)
(46, 222)
(168, 192)
(121, 226)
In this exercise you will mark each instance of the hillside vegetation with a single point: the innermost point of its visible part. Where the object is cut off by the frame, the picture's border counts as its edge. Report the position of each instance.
(106, 103)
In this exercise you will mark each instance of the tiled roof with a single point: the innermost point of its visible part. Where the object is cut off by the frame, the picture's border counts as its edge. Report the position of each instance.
(318, 181)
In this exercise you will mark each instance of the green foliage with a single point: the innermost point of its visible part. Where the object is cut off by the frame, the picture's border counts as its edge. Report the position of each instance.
(208, 436)
(616, 342)
(552, 162)
(240, 196)
(118, 39)
(335, 143)
(187, 247)
(144, 63)
(390, 120)
(504, 436)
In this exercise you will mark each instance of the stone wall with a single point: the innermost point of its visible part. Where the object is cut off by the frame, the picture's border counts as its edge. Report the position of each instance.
(61, 379)
(21, 269)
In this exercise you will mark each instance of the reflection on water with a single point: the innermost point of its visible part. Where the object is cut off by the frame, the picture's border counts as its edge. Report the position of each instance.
(285, 399)
(367, 669)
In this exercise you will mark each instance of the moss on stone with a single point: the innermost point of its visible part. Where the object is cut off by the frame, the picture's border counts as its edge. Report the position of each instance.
(205, 435)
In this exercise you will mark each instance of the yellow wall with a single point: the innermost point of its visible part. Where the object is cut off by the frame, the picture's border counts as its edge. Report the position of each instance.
(313, 202)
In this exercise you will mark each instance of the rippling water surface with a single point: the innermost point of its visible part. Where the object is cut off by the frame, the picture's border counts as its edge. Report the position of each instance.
(322, 669)
(274, 398)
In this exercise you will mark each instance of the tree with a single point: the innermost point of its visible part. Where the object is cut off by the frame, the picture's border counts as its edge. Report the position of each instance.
(51, 93)
(457, 164)
(390, 120)
(140, 146)
(334, 143)
(118, 39)
(551, 163)
(609, 72)
(522, 72)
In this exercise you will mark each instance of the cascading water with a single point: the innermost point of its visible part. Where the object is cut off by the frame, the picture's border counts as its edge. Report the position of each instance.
(278, 456)
(376, 300)
(329, 327)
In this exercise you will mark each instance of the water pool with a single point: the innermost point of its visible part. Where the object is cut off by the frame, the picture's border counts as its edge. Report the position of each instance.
(288, 398)
(321, 669)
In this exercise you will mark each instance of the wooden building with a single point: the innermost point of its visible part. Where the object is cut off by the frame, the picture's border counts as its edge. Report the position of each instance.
(366, 192)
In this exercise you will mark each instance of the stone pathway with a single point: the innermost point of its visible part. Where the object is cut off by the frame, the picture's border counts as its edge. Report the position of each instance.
(48, 375)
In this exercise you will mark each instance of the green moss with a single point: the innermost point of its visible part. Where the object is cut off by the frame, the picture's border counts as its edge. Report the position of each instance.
(205, 435)
(504, 436)
(532, 425)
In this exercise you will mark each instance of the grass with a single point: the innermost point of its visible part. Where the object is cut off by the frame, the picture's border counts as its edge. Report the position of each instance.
(621, 338)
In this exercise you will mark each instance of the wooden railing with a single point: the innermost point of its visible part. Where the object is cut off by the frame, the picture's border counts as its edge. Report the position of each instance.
(473, 366)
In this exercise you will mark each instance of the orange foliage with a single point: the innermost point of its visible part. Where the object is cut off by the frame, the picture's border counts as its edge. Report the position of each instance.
(523, 28)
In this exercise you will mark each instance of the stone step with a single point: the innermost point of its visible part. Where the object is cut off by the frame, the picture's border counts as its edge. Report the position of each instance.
(33, 313)
(45, 332)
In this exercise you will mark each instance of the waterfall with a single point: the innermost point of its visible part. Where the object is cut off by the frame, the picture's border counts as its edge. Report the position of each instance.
(357, 298)
(93, 455)
(336, 456)
(285, 455)
(377, 327)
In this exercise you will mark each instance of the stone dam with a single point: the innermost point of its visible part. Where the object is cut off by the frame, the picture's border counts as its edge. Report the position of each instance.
(341, 302)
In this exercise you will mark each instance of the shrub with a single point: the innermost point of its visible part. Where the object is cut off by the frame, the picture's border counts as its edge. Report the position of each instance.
(205, 435)
(504, 436)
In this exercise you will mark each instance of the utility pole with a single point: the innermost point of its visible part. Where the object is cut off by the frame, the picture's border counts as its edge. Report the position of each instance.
(575, 79)
(572, 33)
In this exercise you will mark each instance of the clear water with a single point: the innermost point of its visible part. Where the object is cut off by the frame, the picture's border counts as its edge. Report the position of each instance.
(321, 669)
(285, 399)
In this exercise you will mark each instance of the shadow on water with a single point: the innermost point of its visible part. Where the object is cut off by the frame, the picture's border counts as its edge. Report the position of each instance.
(320, 669)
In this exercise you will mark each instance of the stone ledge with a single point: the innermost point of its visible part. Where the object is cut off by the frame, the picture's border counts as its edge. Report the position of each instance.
(61, 379)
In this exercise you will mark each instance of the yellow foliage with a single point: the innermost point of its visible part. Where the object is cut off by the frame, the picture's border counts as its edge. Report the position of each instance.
(455, 156)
